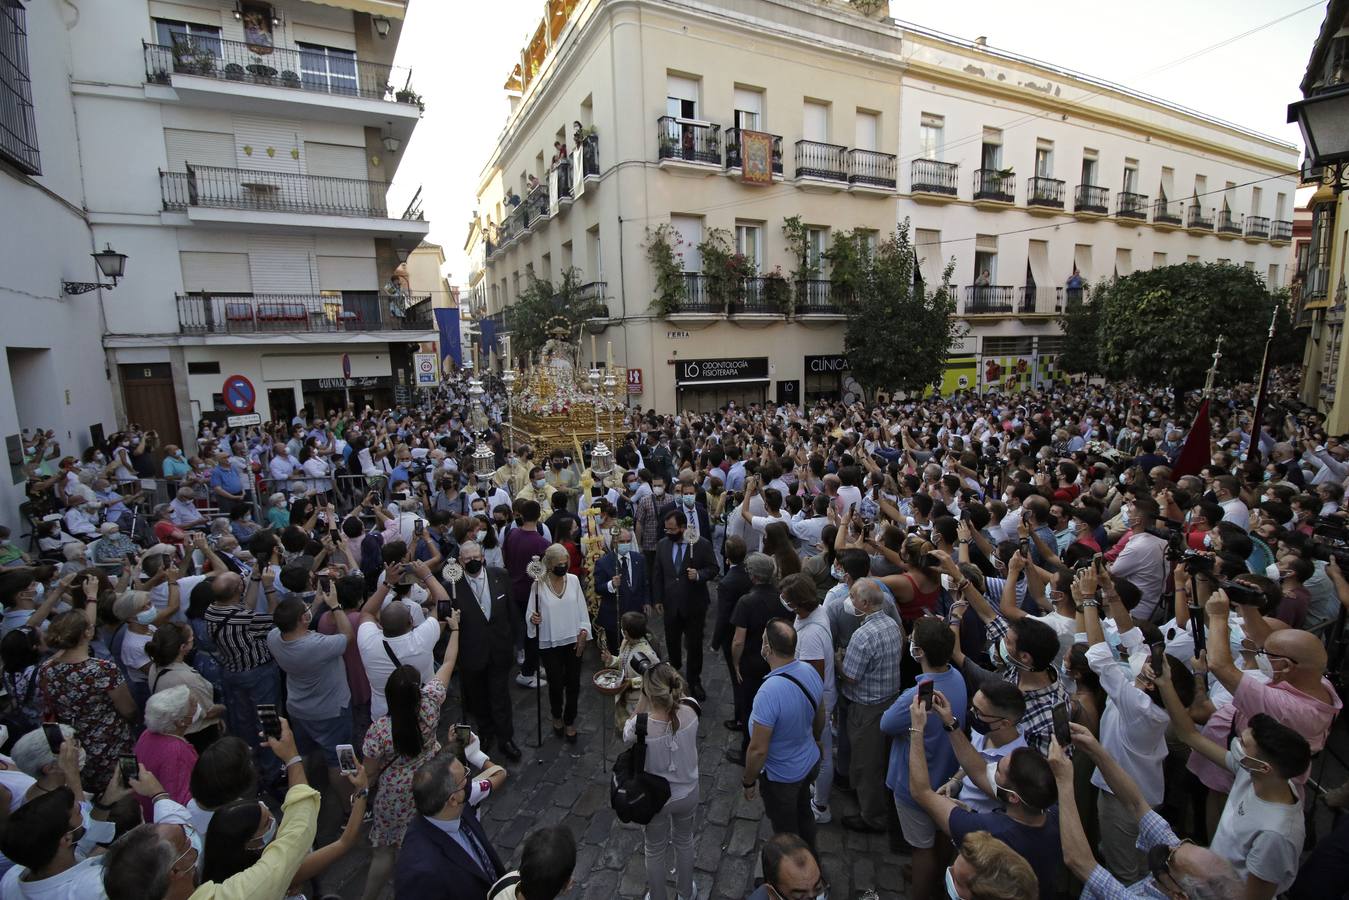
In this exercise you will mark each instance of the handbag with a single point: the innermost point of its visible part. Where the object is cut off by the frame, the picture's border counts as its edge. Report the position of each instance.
(634, 793)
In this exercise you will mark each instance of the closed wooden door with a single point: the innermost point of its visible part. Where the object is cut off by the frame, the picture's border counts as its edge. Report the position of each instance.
(147, 391)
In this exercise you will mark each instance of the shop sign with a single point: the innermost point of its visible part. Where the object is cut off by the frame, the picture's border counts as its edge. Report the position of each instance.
(831, 362)
(368, 382)
(634, 381)
(703, 371)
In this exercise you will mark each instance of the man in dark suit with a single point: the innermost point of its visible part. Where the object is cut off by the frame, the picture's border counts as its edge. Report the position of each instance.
(679, 590)
(446, 854)
(686, 499)
(732, 586)
(486, 648)
(620, 580)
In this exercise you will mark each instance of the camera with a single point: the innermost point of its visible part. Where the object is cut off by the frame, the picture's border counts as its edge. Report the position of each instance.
(1197, 563)
(1175, 541)
(1242, 594)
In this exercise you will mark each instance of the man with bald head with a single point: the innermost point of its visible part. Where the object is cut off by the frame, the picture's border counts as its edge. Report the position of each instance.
(249, 672)
(390, 641)
(1297, 694)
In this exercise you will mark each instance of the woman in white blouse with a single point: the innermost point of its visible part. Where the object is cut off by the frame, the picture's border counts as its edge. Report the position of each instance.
(558, 617)
(671, 753)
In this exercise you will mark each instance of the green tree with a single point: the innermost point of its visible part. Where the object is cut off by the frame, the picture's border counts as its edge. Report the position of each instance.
(542, 306)
(1159, 326)
(897, 335)
(1080, 322)
(848, 258)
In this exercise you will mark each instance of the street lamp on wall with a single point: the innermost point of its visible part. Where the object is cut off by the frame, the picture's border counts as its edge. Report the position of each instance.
(111, 264)
(382, 25)
(1323, 119)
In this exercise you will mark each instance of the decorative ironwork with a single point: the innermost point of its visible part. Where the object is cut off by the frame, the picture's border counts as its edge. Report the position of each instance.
(932, 176)
(826, 162)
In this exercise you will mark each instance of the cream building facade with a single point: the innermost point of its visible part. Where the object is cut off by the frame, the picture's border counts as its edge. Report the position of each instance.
(1032, 181)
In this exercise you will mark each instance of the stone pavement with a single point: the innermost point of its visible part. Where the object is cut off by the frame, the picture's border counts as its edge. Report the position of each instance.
(569, 785)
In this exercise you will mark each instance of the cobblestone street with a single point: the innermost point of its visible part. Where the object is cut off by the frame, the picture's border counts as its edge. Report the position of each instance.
(569, 785)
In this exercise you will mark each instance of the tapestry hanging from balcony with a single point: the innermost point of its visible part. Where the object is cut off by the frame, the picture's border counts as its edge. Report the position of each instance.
(756, 152)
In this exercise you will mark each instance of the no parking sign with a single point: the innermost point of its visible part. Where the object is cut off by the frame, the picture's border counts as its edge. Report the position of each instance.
(239, 394)
(426, 368)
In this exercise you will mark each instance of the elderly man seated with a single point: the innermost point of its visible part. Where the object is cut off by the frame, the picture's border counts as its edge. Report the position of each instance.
(183, 510)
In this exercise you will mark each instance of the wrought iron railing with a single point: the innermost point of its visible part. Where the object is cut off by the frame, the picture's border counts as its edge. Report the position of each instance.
(303, 70)
(932, 176)
(590, 156)
(1280, 230)
(988, 298)
(1317, 284)
(1228, 222)
(827, 162)
(536, 205)
(756, 296)
(1167, 212)
(1074, 295)
(994, 184)
(1257, 226)
(347, 311)
(697, 297)
(1129, 205)
(872, 168)
(820, 297)
(1092, 198)
(1045, 192)
(1042, 299)
(733, 152)
(219, 188)
(1196, 218)
(688, 140)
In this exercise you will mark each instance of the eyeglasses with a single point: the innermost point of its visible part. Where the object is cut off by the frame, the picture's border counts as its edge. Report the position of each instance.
(1273, 656)
(1159, 859)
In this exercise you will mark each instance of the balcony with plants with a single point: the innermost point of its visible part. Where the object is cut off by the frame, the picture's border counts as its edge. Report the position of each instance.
(994, 187)
(1045, 194)
(688, 144)
(932, 179)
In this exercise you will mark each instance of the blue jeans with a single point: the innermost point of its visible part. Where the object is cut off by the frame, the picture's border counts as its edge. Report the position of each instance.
(243, 692)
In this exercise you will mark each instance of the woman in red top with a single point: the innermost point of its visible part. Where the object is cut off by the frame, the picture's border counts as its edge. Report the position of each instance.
(566, 536)
(917, 591)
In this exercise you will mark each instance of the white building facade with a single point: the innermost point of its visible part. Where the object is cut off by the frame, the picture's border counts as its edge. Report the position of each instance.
(1035, 182)
(240, 155)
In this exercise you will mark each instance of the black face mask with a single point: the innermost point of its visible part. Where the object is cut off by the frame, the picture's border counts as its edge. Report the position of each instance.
(560, 569)
(473, 566)
(675, 536)
(977, 725)
(1052, 521)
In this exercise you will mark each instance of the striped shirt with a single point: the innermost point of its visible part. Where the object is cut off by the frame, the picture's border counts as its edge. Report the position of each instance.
(240, 636)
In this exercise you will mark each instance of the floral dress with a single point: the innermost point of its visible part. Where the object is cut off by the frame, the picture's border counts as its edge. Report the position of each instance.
(393, 804)
(77, 694)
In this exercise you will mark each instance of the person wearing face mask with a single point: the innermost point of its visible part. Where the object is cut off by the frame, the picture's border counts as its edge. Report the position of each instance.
(39, 770)
(686, 499)
(734, 584)
(557, 617)
(1297, 695)
(647, 522)
(514, 475)
(162, 748)
(447, 855)
(994, 712)
(679, 582)
(318, 705)
(1133, 727)
(621, 581)
(140, 617)
(1262, 827)
(538, 489)
(486, 648)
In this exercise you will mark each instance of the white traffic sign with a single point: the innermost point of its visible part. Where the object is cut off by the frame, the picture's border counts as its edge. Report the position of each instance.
(426, 368)
(243, 421)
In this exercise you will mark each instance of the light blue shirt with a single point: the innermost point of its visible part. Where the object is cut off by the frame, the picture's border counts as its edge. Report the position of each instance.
(783, 707)
(941, 758)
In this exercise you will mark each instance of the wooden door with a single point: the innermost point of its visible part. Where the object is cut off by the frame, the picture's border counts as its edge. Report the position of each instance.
(147, 391)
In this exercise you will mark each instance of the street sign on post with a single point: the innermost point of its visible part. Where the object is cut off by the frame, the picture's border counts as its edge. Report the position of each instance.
(426, 369)
(243, 421)
(239, 394)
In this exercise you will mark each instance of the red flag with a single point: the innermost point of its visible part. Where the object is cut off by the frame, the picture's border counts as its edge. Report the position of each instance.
(1195, 454)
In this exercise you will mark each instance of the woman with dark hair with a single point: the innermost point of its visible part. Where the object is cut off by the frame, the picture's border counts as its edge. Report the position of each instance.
(395, 746)
(169, 649)
(20, 651)
(778, 543)
(566, 536)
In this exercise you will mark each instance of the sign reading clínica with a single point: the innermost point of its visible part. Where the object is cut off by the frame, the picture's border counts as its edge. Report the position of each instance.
(427, 369)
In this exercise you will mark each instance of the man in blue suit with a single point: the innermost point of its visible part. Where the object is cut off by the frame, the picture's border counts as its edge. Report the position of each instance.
(446, 854)
(620, 580)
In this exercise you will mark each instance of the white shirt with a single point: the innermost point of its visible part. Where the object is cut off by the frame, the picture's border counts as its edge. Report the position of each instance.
(412, 648)
(1234, 511)
(564, 617)
(184, 512)
(1133, 728)
(814, 640)
(1143, 562)
(1258, 837)
(82, 881)
(281, 467)
(808, 533)
(316, 470)
(672, 756)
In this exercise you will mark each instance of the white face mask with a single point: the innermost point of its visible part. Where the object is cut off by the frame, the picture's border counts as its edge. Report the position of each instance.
(850, 609)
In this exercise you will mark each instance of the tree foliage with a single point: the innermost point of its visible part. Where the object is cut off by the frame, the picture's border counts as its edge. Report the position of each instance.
(898, 334)
(1159, 326)
(1080, 322)
(530, 319)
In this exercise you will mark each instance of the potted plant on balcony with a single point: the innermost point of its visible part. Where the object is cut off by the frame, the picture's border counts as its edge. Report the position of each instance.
(668, 264)
(669, 145)
(777, 292)
(290, 79)
(234, 72)
(724, 269)
(407, 95)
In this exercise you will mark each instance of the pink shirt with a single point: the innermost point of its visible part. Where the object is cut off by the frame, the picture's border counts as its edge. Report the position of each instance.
(351, 657)
(1306, 715)
(170, 759)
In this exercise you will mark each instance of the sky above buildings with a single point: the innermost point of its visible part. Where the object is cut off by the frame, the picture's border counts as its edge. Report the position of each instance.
(1220, 58)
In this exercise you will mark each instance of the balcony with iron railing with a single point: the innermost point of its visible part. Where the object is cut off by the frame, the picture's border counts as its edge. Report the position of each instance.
(820, 297)
(994, 186)
(932, 176)
(1197, 220)
(535, 205)
(687, 142)
(1045, 192)
(696, 298)
(1229, 223)
(273, 191)
(1281, 231)
(869, 170)
(1257, 228)
(985, 299)
(345, 312)
(1167, 213)
(1129, 205)
(281, 67)
(761, 296)
(734, 158)
(1092, 199)
(1040, 300)
(817, 161)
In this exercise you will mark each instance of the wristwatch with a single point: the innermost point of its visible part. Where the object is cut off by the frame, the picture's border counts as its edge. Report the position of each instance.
(360, 795)
(952, 725)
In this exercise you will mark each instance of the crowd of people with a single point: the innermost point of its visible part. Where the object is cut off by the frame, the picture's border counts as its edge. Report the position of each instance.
(1032, 648)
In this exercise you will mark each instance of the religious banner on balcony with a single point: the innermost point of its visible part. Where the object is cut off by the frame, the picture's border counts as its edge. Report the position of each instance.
(257, 25)
(756, 154)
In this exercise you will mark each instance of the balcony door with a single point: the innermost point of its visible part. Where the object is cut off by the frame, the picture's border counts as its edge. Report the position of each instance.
(187, 38)
(748, 109)
(749, 244)
(690, 231)
(867, 132)
(681, 97)
(815, 122)
(328, 69)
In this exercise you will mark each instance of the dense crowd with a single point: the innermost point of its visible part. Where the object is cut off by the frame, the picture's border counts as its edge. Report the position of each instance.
(1044, 658)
